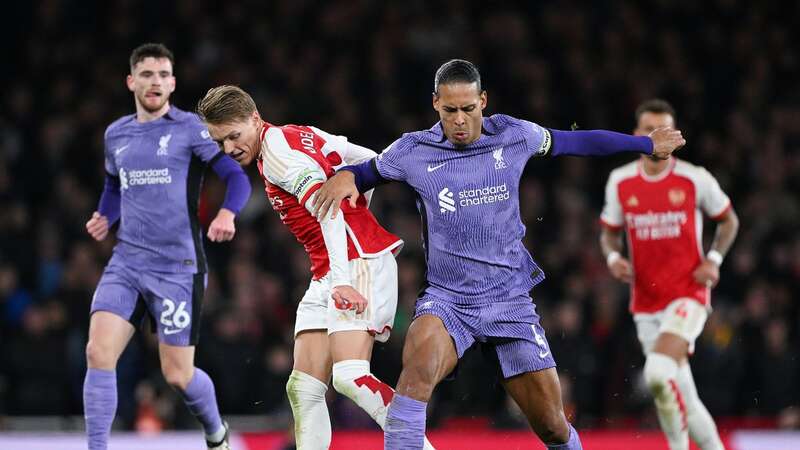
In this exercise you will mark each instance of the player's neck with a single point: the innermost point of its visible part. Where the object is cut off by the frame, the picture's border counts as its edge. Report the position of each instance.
(143, 115)
(654, 167)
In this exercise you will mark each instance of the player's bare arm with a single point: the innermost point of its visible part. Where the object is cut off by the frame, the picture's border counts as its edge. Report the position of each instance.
(337, 188)
(618, 265)
(707, 273)
(97, 226)
(665, 141)
(222, 228)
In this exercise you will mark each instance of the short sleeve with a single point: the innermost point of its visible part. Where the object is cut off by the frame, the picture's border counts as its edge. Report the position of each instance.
(711, 199)
(291, 170)
(538, 138)
(351, 153)
(612, 209)
(200, 140)
(389, 161)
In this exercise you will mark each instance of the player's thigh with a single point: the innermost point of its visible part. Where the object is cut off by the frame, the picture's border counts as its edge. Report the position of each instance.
(312, 354)
(682, 322)
(175, 301)
(538, 395)
(429, 355)
(116, 308)
(346, 345)
(109, 334)
(647, 329)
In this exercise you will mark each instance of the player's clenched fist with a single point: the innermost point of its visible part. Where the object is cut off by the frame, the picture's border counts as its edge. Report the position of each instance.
(706, 274)
(346, 297)
(97, 226)
(222, 227)
(665, 141)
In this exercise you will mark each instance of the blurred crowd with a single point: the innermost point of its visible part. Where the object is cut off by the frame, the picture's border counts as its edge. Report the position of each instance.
(365, 69)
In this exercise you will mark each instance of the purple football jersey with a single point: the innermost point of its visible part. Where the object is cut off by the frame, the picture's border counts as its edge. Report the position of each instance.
(160, 166)
(468, 198)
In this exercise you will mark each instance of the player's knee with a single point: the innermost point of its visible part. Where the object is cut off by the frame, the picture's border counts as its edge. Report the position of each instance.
(99, 356)
(658, 371)
(553, 428)
(177, 376)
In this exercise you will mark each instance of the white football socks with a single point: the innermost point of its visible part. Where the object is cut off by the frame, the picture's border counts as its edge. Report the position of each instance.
(312, 424)
(660, 372)
(702, 428)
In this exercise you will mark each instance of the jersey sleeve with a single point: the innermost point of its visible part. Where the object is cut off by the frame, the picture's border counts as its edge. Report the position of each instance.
(202, 144)
(291, 170)
(110, 161)
(612, 216)
(538, 139)
(389, 161)
(351, 153)
(711, 199)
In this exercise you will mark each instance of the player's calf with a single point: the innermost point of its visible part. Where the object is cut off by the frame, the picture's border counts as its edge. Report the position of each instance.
(660, 373)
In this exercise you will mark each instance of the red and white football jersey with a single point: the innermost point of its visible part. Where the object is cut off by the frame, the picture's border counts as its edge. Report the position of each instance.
(663, 219)
(294, 163)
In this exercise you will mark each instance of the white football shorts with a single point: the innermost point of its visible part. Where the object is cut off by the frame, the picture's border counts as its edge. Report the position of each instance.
(684, 317)
(375, 279)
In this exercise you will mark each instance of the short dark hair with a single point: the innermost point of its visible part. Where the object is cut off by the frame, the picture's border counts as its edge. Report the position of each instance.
(456, 71)
(154, 50)
(656, 106)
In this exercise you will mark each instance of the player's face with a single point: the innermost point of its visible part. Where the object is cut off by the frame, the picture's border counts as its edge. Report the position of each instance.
(238, 139)
(152, 82)
(651, 121)
(460, 107)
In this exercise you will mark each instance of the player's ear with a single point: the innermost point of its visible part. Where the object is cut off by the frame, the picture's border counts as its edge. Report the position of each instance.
(435, 101)
(484, 99)
(129, 82)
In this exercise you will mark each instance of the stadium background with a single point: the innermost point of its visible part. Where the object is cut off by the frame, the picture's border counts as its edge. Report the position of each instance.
(364, 69)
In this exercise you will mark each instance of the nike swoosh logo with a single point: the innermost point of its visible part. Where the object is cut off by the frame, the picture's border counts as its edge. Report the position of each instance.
(177, 330)
(120, 150)
(431, 169)
(543, 354)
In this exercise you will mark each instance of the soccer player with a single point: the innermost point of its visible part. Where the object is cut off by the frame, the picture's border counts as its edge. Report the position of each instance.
(352, 297)
(660, 206)
(466, 171)
(154, 161)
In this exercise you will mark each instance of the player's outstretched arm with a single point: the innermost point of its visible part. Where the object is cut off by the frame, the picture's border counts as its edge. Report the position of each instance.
(661, 143)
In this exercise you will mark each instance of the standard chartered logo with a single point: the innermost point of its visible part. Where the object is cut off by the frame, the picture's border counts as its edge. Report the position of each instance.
(446, 202)
(472, 197)
(144, 177)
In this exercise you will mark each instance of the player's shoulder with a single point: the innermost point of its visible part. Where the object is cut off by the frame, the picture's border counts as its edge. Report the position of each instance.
(498, 123)
(692, 171)
(186, 118)
(624, 172)
(119, 125)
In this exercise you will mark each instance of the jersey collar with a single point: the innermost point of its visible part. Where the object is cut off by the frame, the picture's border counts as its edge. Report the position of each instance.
(659, 176)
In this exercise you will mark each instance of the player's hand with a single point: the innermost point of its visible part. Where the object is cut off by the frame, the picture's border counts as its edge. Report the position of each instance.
(222, 227)
(97, 226)
(707, 273)
(346, 297)
(329, 197)
(622, 270)
(665, 141)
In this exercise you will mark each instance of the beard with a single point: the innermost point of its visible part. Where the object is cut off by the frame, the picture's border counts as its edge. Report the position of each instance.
(149, 106)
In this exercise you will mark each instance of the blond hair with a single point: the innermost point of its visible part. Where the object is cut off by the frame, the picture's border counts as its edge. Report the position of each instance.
(225, 104)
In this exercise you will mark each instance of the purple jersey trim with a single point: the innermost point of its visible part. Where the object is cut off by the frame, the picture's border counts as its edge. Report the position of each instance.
(237, 184)
(109, 204)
